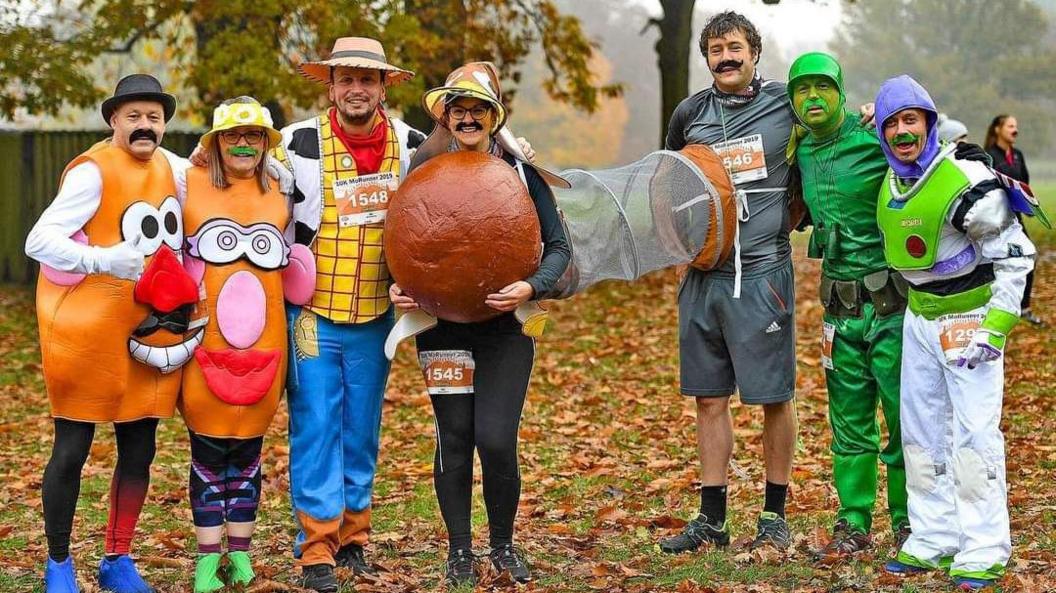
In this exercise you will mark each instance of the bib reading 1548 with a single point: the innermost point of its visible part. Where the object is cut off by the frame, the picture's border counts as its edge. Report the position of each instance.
(365, 199)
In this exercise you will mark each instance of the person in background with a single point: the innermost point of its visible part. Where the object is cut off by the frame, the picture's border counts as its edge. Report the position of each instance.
(1000, 145)
(952, 130)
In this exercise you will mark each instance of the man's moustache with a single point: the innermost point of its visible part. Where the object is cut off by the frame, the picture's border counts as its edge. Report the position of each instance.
(143, 134)
(728, 65)
(468, 127)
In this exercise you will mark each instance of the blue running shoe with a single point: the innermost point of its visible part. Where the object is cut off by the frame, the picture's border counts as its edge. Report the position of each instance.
(899, 568)
(120, 576)
(972, 583)
(59, 577)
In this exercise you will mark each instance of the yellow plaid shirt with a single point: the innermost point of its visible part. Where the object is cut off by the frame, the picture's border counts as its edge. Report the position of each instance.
(352, 279)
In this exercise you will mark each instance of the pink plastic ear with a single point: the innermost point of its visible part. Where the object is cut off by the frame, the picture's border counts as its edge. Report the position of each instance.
(195, 268)
(65, 278)
(298, 278)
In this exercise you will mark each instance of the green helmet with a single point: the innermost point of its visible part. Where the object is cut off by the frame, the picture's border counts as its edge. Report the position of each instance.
(815, 63)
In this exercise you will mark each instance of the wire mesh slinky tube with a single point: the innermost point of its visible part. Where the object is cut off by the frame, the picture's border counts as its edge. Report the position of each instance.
(667, 209)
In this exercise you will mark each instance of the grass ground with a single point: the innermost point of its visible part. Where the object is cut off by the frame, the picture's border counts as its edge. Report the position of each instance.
(608, 459)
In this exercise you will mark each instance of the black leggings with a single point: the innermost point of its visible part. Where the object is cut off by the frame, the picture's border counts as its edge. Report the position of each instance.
(128, 488)
(224, 480)
(487, 420)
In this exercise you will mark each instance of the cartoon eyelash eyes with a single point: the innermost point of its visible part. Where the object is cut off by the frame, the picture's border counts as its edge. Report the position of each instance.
(153, 226)
(222, 241)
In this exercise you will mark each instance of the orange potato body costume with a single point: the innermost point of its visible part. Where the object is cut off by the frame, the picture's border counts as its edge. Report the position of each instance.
(85, 328)
(200, 404)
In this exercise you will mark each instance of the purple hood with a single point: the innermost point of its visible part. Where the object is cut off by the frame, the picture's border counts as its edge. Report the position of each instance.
(896, 94)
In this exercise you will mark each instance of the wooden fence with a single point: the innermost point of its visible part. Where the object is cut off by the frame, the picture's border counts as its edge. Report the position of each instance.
(30, 166)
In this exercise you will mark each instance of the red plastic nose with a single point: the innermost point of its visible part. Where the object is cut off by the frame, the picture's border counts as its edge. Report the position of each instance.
(165, 284)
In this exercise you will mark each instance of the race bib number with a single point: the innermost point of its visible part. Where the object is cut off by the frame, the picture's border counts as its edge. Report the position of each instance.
(743, 158)
(956, 332)
(364, 200)
(447, 371)
(828, 333)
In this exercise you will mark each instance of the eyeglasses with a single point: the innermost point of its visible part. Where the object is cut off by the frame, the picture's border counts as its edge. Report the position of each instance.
(233, 137)
(477, 113)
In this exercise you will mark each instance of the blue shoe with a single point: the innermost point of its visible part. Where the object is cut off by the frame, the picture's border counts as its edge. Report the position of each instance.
(120, 576)
(899, 568)
(973, 583)
(59, 577)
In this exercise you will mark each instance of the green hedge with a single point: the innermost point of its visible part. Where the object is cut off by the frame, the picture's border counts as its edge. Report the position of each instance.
(31, 164)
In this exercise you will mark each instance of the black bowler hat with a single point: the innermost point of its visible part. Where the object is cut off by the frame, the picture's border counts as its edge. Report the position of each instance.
(138, 87)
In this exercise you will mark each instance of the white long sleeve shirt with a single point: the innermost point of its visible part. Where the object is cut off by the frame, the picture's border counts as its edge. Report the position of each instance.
(49, 241)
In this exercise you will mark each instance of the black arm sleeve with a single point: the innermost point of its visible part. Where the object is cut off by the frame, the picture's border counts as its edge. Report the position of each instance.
(556, 252)
(1026, 174)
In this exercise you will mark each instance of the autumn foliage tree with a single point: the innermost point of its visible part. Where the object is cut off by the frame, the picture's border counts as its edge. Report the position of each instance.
(236, 47)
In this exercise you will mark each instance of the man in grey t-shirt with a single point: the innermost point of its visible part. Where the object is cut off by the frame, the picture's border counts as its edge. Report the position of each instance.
(737, 323)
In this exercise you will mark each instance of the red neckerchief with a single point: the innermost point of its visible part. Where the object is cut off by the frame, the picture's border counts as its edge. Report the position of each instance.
(369, 150)
(1008, 157)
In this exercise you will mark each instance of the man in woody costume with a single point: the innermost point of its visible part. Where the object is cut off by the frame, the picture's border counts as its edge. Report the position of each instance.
(347, 164)
(842, 166)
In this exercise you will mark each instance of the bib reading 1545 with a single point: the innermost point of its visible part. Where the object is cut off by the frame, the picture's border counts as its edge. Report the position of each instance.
(365, 199)
(447, 371)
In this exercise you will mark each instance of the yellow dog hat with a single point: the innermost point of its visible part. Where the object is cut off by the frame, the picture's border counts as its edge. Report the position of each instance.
(246, 111)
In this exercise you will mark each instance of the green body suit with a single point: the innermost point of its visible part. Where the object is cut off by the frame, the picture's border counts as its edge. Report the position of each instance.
(842, 168)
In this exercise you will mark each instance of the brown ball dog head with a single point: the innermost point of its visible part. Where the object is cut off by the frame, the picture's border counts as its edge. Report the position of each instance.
(462, 226)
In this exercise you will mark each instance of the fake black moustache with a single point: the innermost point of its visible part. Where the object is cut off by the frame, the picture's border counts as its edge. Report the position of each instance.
(470, 127)
(144, 133)
(728, 65)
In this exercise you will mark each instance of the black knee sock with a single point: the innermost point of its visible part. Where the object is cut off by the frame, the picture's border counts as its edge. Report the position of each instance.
(713, 504)
(62, 483)
(775, 498)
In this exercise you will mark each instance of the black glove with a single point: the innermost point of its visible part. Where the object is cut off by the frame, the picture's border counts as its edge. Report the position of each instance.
(967, 151)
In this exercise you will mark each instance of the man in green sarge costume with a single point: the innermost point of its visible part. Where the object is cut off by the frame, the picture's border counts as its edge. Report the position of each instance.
(842, 168)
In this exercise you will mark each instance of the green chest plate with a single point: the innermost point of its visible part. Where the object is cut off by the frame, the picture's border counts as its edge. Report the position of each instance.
(911, 227)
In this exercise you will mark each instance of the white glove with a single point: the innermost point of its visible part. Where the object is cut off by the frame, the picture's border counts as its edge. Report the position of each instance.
(980, 349)
(278, 171)
(123, 260)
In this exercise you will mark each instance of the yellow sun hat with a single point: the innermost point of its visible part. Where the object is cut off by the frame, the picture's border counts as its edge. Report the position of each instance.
(243, 111)
(479, 80)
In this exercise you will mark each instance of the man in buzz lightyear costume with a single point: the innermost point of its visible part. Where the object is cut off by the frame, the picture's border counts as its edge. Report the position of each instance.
(949, 227)
(842, 168)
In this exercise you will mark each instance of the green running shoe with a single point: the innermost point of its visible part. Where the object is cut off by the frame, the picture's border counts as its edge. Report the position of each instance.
(206, 579)
(240, 569)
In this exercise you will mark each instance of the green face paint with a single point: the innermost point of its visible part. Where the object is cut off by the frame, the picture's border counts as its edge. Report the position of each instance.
(817, 102)
(904, 138)
(242, 151)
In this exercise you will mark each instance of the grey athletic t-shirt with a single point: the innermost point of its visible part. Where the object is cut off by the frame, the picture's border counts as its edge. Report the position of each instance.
(744, 134)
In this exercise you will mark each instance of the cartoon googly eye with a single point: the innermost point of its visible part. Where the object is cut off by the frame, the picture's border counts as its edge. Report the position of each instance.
(221, 241)
(217, 242)
(142, 225)
(266, 248)
(171, 223)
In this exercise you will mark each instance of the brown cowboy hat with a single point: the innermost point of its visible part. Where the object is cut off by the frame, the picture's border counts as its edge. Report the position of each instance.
(355, 52)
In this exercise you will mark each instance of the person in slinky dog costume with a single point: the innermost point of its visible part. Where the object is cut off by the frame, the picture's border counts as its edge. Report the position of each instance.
(113, 304)
(949, 227)
(234, 216)
(841, 167)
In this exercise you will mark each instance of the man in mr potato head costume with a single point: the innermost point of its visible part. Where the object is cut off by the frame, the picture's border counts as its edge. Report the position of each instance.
(113, 304)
